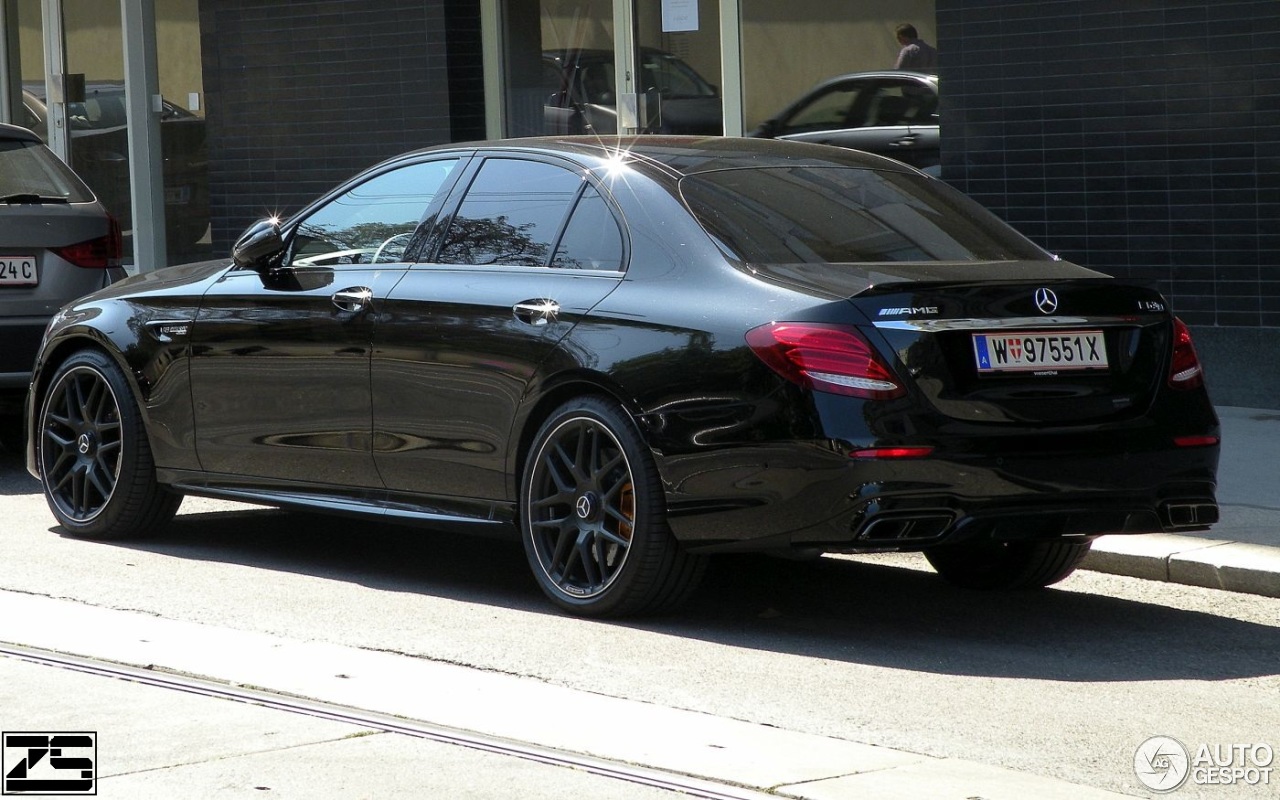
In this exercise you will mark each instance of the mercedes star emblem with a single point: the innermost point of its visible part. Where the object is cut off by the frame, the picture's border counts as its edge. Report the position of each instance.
(1046, 301)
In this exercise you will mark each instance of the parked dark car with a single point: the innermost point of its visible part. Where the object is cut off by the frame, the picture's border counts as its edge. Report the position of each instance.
(56, 243)
(100, 155)
(634, 353)
(891, 113)
(581, 98)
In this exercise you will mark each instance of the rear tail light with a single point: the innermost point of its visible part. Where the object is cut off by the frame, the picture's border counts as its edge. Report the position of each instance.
(1195, 441)
(905, 451)
(100, 253)
(1185, 371)
(828, 358)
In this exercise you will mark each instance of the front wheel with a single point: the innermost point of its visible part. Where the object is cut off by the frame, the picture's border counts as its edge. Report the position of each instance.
(1008, 565)
(593, 517)
(95, 460)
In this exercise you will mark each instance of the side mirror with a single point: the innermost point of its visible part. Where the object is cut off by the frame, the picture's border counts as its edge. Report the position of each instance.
(261, 241)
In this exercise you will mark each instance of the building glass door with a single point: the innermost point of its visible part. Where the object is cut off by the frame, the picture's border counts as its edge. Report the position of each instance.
(559, 72)
(677, 70)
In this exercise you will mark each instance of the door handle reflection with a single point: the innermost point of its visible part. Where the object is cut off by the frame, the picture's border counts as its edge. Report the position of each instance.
(537, 312)
(353, 299)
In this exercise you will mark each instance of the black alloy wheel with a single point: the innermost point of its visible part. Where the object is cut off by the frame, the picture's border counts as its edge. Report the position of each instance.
(593, 517)
(1008, 565)
(94, 457)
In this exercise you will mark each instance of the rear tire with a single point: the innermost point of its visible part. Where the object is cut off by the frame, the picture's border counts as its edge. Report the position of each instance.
(1008, 565)
(593, 517)
(94, 458)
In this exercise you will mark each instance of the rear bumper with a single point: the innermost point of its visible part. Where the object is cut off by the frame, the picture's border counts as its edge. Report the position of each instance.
(767, 498)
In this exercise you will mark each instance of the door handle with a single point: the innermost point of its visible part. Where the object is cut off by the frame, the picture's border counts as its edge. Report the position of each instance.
(353, 299)
(537, 312)
(905, 141)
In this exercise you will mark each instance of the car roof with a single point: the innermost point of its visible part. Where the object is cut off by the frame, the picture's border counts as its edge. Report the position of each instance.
(17, 133)
(923, 77)
(679, 156)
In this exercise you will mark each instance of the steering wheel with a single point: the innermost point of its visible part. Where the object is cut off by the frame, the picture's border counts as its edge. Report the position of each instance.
(377, 256)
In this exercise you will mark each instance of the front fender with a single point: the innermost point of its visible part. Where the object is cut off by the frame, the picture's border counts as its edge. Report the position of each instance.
(149, 344)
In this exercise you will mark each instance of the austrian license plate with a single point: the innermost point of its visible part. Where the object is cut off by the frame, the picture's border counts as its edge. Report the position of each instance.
(1034, 352)
(18, 271)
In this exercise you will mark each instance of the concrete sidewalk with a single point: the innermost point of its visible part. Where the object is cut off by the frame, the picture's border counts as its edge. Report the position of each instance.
(1242, 552)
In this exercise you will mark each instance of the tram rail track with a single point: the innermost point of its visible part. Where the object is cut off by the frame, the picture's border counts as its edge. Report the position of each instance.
(206, 687)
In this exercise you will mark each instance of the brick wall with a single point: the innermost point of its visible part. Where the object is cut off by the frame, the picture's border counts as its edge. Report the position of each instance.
(302, 95)
(1141, 138)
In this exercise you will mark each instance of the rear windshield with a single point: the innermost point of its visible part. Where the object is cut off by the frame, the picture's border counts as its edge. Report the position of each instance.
(30, 168)
(833, 214)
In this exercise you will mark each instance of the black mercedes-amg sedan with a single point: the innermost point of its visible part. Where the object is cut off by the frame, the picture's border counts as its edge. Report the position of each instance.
(634, 353)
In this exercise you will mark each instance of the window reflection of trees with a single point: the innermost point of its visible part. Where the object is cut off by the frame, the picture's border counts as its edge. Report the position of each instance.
(492, 241)
(362, 221)
(315, 239)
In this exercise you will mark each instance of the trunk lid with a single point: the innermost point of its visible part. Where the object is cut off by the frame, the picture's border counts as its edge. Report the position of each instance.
(1040, 351)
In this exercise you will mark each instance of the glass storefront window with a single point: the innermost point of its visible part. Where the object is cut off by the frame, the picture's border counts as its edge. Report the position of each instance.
(96, 111)
(559, 67)
(789, 48)
(182, 131)
(561, 75)
(99, 135)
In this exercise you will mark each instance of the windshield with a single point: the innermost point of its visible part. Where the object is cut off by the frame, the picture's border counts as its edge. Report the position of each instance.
(821, 214)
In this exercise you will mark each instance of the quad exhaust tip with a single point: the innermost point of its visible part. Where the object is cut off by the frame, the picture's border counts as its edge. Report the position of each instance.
(906, 527)
(1197, 514)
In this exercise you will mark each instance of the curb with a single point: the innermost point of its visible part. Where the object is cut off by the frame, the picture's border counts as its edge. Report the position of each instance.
(1230, 566)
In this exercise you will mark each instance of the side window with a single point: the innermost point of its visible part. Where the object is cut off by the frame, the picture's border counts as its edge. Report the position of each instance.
(592, 239)
(828, 110)
(32, 120)
(372, 222)
(511, 215)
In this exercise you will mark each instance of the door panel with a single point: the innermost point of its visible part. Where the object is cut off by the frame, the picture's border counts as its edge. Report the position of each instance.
(532, 246)
(280, 359)
(452, 362)
(280, 374)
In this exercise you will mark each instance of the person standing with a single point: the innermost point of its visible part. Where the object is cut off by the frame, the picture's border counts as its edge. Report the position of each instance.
(916, 54)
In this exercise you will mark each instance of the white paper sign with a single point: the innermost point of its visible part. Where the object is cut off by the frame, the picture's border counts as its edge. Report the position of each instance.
(679, 15)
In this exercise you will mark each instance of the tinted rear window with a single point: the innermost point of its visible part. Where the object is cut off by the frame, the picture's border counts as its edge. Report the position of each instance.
(814, 215)
(32, 168)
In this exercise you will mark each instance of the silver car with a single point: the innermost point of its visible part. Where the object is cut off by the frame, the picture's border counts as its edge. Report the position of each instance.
(892, 113)
(57, 242)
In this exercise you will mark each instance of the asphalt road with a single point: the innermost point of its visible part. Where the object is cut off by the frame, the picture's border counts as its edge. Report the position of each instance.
(1064, 683)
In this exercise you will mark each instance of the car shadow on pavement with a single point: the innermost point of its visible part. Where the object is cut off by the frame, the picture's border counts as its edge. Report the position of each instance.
(838, 608)
(14, 479)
